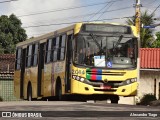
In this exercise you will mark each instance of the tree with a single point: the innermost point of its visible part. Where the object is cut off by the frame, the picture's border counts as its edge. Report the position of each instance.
(156, 43)
(11, 33)
(146, 36)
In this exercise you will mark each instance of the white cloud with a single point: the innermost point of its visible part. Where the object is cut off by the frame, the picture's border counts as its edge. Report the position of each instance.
(23, 7)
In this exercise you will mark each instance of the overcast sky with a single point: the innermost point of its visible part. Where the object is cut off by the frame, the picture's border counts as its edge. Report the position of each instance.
(63, 12)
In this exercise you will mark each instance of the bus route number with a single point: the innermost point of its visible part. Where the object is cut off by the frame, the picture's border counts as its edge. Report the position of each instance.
(78, 72)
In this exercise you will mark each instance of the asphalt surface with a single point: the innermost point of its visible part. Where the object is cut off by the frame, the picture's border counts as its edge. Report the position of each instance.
(69, 110)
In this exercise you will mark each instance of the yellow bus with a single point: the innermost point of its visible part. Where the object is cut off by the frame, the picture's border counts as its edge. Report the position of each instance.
(94, 60)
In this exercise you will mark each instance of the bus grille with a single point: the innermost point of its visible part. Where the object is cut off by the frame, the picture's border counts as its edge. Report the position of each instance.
(103, 72)
(107, 73)
(113, 84)
(95, 77)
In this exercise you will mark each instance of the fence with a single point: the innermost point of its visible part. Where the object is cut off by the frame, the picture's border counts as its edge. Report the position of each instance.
(6, 77)
(7, 86)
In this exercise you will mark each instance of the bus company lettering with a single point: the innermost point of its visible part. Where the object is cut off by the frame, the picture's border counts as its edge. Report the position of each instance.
(25, 114)
(143, 115)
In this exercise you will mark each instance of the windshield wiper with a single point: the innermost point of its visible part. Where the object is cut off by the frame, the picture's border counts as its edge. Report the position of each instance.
(119, 40)
(95, 40)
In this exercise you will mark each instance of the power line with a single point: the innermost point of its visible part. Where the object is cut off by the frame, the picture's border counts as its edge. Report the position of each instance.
(8, 1)
(75, 22)
(98, 13)
(70, 8)
(156, 9)
(150, 3)
(72, 22)
(57, 10)
(37, 34)
(104, 12)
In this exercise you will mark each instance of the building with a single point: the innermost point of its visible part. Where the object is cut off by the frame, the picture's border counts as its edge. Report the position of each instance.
(7, 62)
(6, 76)
(150, 71)
(149, 82)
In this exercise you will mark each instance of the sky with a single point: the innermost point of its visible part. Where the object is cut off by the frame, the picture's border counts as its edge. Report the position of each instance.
(42, 16)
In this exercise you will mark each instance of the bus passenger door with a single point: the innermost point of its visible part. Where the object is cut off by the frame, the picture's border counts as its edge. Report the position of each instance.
(68, 63)
(40, 68)
(23, 64)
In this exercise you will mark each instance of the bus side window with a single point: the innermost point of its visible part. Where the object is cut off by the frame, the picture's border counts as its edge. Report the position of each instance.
(55, 53)
(59, 48)
(33, 49)
(29, 55)
(35, 54)
(18, 59)
(48, 51)
(62, 47)
(53, 49)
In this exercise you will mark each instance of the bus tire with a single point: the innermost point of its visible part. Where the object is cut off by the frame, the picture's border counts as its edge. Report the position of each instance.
(114, 99)
(59, 91)
(29, 93)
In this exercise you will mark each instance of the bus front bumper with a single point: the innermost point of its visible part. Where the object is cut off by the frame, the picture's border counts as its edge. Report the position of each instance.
(85, 89)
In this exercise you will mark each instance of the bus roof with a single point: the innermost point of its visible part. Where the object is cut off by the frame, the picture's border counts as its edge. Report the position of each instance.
(45, 36)
(62, 30)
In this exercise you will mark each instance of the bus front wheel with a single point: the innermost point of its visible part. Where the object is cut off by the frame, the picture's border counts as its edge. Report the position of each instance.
(114, 99)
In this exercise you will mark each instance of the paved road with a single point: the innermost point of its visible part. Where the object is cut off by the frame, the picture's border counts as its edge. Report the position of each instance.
(80, 110)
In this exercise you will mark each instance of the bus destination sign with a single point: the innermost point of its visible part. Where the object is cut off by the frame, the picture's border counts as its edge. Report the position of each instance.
(108, 28)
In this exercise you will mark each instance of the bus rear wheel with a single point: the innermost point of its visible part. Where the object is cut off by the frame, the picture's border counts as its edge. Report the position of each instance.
(29, 93)
(59, 91)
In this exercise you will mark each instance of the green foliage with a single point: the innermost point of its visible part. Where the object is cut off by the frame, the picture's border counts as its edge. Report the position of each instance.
(156, 43)
(11, 33)
(146, 36)
(147, 98)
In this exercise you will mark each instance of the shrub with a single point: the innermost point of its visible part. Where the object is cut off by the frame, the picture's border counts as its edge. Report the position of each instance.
(147, 98)
(1, 99)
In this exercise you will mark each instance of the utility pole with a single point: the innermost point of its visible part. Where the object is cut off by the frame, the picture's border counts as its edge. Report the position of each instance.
(137, 17)
(138, 26)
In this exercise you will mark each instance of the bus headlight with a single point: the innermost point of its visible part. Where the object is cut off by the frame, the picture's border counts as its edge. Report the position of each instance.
(78, 78)
(134, 80)
(129, 81)
(74, 77)
(82, 79)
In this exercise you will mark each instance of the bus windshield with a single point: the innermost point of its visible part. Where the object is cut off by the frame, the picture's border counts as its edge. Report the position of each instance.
(109, 51)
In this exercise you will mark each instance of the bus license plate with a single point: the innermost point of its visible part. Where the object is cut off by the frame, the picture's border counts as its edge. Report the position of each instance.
(105, 87)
